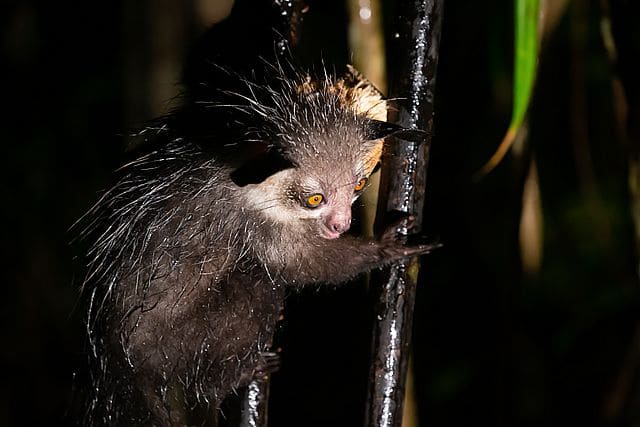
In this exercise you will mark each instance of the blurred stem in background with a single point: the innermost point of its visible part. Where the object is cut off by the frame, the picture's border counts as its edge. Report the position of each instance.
(531, 230)
(529, 18)
(533, 21)
(621, 38)
(587, 182)
(366, 41)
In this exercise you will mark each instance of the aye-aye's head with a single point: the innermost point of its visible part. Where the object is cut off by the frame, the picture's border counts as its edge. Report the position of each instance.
(326, 138)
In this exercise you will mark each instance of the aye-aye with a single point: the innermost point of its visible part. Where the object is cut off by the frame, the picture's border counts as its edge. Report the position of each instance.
(237, 200)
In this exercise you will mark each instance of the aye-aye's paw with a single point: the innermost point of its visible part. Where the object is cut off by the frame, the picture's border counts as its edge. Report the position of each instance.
(392, 248)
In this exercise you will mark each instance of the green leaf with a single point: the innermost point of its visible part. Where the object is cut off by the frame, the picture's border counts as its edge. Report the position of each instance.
(524, 74)
(525, 58)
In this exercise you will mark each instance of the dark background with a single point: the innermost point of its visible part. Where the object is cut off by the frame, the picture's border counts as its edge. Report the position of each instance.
(492, 345)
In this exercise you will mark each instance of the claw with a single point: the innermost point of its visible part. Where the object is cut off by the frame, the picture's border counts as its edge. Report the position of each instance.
(398, 252)
(420, 249)
(269, 364)
(393, 242)
(391, 233)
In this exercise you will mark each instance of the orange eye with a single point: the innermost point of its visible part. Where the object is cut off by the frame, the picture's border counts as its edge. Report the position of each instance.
(314, 200)
(360, 185)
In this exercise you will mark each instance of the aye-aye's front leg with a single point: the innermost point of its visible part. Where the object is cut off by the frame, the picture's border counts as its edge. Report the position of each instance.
(339, 260)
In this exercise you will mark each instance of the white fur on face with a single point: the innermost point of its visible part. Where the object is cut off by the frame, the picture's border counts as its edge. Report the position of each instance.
(269, 198)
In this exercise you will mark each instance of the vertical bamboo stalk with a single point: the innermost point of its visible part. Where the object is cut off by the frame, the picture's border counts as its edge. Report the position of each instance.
(255, 405)
(414, 53)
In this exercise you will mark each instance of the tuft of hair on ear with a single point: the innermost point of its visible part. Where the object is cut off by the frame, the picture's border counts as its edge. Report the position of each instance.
(355, 92)
(361, 95)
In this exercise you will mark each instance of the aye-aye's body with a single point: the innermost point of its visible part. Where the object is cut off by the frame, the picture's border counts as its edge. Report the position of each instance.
(193, 249)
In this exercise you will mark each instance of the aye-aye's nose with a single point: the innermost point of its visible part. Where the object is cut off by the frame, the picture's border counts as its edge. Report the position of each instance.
(339, 223)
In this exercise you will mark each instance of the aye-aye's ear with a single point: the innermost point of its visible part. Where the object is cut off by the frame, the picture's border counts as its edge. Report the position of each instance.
(377, 129)
(260, 167)
(356, 90)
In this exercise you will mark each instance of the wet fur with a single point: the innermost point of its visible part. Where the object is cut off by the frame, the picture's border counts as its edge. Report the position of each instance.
(188, 270)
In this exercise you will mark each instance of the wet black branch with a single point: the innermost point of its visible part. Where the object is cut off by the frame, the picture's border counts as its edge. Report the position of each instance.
(414, 56)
